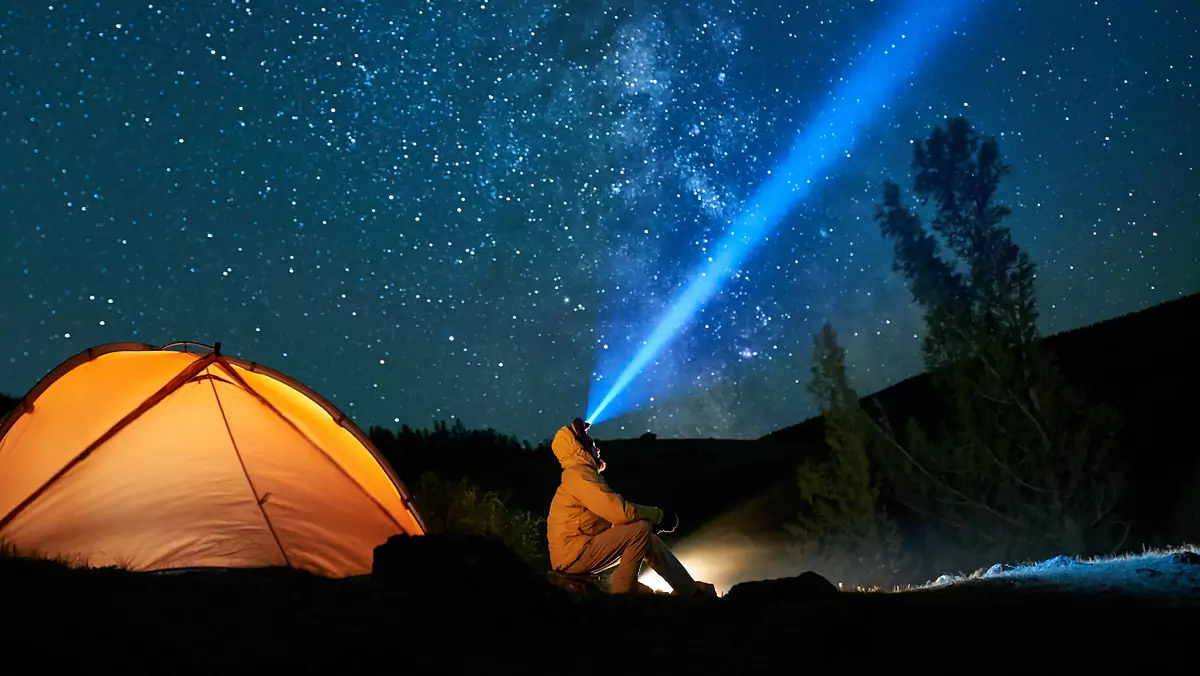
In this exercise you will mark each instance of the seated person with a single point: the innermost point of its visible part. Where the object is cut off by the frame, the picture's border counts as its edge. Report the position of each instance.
(590, 525)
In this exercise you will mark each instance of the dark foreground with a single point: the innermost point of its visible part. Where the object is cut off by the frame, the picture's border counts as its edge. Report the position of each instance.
(450, 619)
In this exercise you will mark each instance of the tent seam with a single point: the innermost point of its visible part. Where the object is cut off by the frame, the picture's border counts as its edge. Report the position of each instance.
(345, 422)
(249, 482)
(148, 403)
(28, 401)
(271, 407)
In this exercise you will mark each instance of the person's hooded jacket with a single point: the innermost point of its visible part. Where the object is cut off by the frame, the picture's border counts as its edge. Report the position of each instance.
(584, 505)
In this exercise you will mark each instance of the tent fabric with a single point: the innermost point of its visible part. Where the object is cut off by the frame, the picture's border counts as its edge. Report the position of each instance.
(154, 459)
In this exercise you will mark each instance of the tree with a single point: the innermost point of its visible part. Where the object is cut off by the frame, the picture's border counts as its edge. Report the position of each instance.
(838, 491)
(839, 521)
(1019, 463)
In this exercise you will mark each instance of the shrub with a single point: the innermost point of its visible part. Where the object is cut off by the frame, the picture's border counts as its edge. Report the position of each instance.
(462, 507)
(9, 550)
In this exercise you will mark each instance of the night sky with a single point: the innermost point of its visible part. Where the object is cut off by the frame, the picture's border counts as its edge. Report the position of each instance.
(438, 210)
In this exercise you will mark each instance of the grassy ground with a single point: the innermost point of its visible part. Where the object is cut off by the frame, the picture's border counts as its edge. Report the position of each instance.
(1171, 572)
(437, 622)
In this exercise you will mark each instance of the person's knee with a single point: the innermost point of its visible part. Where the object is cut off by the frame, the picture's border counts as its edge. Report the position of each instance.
(639, 536)
(641, 531)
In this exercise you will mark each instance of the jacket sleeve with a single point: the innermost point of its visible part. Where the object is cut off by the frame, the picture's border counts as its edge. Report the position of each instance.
(600, 499)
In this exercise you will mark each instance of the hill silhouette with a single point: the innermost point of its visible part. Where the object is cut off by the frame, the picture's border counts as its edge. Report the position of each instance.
(1143, 364)
(1140, 363)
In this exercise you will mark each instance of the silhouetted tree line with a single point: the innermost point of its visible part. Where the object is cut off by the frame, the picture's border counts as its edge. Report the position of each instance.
(525, 475)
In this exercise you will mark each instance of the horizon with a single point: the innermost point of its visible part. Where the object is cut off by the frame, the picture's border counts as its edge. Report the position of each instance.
(366, 426)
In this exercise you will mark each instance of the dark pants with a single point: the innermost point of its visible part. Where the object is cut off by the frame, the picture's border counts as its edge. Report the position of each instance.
(632, 543)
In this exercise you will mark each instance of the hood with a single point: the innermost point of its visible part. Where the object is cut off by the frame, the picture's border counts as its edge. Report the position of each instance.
(569, 451)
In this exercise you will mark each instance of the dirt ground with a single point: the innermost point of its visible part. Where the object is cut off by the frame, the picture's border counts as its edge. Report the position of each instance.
(446, 620)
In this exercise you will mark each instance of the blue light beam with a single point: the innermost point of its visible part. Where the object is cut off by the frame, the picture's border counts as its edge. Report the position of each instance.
(895, 54)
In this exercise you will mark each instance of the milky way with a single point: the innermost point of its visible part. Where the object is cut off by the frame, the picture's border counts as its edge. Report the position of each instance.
(437, 210)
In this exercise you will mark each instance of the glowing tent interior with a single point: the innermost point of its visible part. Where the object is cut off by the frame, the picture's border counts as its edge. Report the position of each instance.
(164, 458)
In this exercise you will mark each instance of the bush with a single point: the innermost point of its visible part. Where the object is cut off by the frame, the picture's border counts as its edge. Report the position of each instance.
(461, 507)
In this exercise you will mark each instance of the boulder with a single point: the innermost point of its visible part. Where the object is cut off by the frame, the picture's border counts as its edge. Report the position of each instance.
(997, 570)
(1057, 562)
(453, 565)
(807, 586)
(579, 586)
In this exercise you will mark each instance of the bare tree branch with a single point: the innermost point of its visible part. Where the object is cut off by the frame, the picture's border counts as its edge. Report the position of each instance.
(1004, 466)
(940, 517)
(950, 489)
(1015, 400)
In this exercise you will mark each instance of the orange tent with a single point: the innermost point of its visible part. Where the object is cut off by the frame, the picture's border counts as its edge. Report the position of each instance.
(152, 459)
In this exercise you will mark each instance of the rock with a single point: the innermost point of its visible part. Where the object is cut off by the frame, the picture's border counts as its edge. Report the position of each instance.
(1057, 562)
(452, 564)
(1188, 558)
(579, 586)
(804, 587)
(997, 570)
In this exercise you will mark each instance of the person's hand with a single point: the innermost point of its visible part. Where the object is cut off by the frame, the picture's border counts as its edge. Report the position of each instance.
(667, 524)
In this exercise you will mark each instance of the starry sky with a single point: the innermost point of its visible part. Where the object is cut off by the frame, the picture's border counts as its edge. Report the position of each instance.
(432, 209)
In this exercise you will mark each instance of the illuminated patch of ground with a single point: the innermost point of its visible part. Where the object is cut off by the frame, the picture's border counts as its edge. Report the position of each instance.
(1161, 572)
